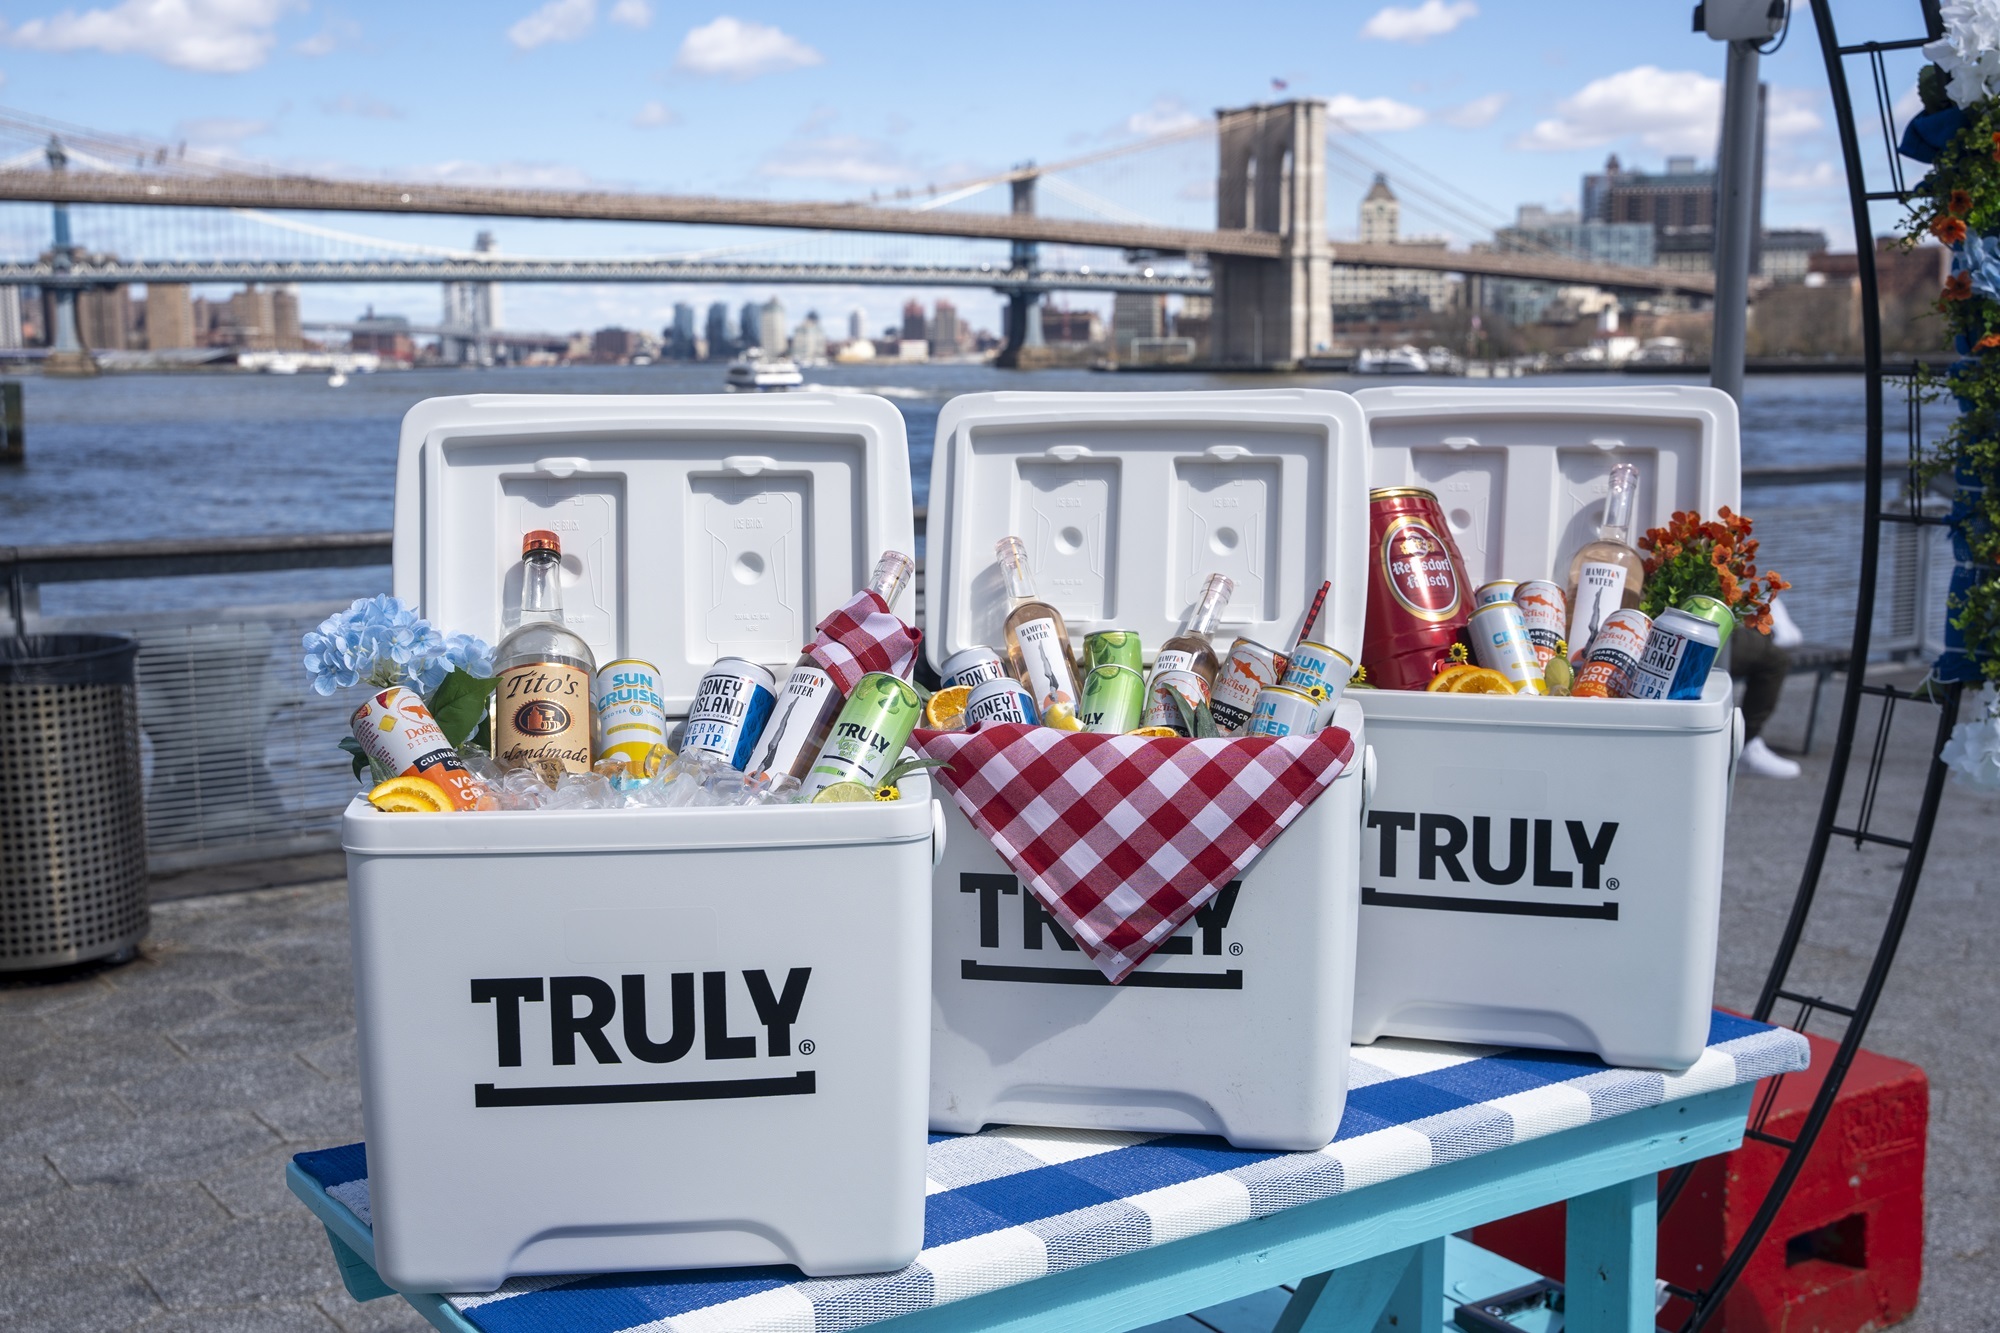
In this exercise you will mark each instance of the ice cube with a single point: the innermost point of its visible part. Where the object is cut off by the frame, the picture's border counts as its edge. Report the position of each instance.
(613, 766)
(522, 789)
(584, 791)
(781, 790)
(484, 768)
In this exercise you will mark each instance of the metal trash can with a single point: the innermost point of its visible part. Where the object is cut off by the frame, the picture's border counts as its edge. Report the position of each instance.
(72, 816)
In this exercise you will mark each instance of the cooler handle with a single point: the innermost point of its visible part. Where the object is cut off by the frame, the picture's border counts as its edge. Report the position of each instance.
(1368, 776)
(937, 831)
(1735, 753)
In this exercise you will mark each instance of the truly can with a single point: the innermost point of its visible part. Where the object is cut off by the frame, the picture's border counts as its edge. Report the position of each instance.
(1545, 611)
(1284, 711)
(730, 708)
(631, 714)
(971, 666)
(1499, 590)
(869, 735)
(1112, 647)
(1002, 699)
(1114, 699)
(1417, 595)
(1164, 695)
(1314, 666)
(1716, 612)
(394, 729)
(1249, 667)
(1612, 655)
(1679, 652)
(1499, 634)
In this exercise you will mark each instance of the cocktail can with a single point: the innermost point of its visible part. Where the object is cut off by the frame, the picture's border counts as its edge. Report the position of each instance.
(1315, 666)
(1613, 655)
(869, 735)
(1002, 699)
(1716, 612)
(1164, 689)
(731, 705)
(1112, 647)
(970, 666)
(1545, 611)
(631, 714)
(1499, 590)
(1284, 711)
(1249, 667)
(1114, 699)
(1499, 634)
(1417, 595)
(1678, 654)
(801, 720)
(394, 729)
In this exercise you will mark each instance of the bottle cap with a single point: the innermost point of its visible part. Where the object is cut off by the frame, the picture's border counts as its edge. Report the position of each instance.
(541, 539)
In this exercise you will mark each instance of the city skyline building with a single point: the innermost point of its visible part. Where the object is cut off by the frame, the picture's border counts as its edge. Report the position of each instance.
(772, 338)
(857, 324)
(809, 341)
(1354, 289)
(169, 317)
(720, 344)
(946, 334)
(915, 326)
(1136, 316)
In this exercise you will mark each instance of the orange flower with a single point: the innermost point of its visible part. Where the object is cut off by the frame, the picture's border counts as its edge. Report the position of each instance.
(1949, 230)
(1988, 343)
(1958, 203)
(1958, 287)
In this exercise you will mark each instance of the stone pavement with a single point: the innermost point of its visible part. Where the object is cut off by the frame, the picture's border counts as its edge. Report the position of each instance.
(147, 1111)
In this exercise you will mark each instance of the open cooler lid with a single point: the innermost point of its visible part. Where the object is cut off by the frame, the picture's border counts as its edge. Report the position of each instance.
(693, 527)
(1521, 472)
(1128, 501)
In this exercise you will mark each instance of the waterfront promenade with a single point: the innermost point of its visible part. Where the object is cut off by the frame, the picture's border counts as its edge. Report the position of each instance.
(149, 1109)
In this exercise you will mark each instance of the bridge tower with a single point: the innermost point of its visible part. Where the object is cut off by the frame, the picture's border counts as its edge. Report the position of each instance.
(67, 354)
(1024, 311)
(1271, 177)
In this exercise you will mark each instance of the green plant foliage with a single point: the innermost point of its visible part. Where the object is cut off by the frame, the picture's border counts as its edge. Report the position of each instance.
(459, 705)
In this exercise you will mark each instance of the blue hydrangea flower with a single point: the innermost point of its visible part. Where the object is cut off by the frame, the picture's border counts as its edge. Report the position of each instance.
(377, 641)
(470, 654)
(1980, 257)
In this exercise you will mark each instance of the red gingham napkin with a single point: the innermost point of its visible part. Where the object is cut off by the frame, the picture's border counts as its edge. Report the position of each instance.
(1122, 838)
(864, 636)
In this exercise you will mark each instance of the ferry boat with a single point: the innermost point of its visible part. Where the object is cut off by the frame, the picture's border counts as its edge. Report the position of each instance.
(760, 374)
(1404, 360)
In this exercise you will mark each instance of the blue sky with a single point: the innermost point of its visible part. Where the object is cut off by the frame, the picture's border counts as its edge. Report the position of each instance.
(1502, 101)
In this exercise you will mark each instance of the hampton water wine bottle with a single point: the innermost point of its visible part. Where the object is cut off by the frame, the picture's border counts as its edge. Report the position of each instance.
(1037, 639)
(1606, 575)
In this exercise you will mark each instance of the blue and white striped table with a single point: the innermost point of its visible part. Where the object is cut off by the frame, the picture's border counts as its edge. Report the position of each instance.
(1063, 1229)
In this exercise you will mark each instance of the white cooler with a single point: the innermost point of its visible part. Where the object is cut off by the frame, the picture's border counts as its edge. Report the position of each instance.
(1547, 872)
(1238, 1026)
(634, 1039)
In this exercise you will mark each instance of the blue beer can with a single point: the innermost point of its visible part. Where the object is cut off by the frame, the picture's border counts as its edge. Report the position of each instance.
(1679, 652)
(731, 705)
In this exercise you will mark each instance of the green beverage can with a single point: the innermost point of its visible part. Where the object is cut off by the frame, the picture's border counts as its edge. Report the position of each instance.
(1114, 699)
(1112, 647)
(869, 735)
(1715, 612)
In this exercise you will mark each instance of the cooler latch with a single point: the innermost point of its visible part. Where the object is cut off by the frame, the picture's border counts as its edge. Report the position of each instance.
(937, 831)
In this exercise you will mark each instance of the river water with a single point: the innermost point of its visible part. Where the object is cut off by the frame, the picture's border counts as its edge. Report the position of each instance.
(221, 454)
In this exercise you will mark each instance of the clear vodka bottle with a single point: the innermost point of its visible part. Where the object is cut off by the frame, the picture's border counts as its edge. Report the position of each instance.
(542, 701)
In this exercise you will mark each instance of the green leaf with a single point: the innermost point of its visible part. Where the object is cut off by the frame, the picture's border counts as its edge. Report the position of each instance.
(902, 768)
(459, 704)
(1190, 719)
(355, 752)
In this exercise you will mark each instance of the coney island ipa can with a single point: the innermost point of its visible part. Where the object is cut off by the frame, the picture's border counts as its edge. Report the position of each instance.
(1545, 611)
(731, 705)
(973, 666)
(1417, 596)
(395, 730)
(1249, 668)
(631, 715)
(1002, 699)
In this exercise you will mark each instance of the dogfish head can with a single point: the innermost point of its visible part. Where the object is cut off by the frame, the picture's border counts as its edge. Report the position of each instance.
(1284, 711)
(1679, 651)
(631, 714)
(1545, 614)
(971, 666)
(731, 705)
(1613, 656)
(396, 730)
(1002, 699)
(1249, 668)
(1418, 600)
(1166, 687)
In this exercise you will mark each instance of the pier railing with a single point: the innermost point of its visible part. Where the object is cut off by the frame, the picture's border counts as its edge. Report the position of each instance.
(240, 753)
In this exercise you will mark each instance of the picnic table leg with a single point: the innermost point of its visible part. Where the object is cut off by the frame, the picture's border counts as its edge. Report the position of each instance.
(1608, 1259)
(1418, 1303)
(1352, 1299)
(363, 1282)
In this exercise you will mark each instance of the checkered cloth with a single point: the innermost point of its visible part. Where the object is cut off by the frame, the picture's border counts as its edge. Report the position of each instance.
(861, 637)
(1123, 838)
(1011, 1205)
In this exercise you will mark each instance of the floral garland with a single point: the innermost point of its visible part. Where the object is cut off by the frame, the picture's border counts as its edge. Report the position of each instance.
(1958, 137)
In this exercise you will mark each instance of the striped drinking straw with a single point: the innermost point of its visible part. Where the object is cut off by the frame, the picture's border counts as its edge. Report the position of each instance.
(1312, 614)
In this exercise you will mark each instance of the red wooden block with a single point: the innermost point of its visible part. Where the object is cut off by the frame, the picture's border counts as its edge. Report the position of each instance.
(1846, 1252)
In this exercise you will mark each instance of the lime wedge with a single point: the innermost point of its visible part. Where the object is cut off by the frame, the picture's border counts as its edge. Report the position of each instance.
(843, 791)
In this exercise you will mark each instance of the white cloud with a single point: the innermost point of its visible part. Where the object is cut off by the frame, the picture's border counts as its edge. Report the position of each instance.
(556, 21)
(1476, 114)
(1669, 111)
(368, 108)
(1164, 116)
(655, 115)
(633, 13)
(1792, 113)
(847, 158)
(323, 43)
(208, 36)
(528, 175)
(738, 49)
(220, 133)
(1370, 114)
(1432, 18)
(1802, 176)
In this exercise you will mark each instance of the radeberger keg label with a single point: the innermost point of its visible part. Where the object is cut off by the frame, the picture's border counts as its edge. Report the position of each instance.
(544, 716)
(1417, 569)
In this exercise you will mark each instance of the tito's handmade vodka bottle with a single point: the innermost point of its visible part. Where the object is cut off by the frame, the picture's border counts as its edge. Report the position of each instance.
(1606, 575)
(1192, 649)
(1037, 640)
(542, 703)
(809, 701)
